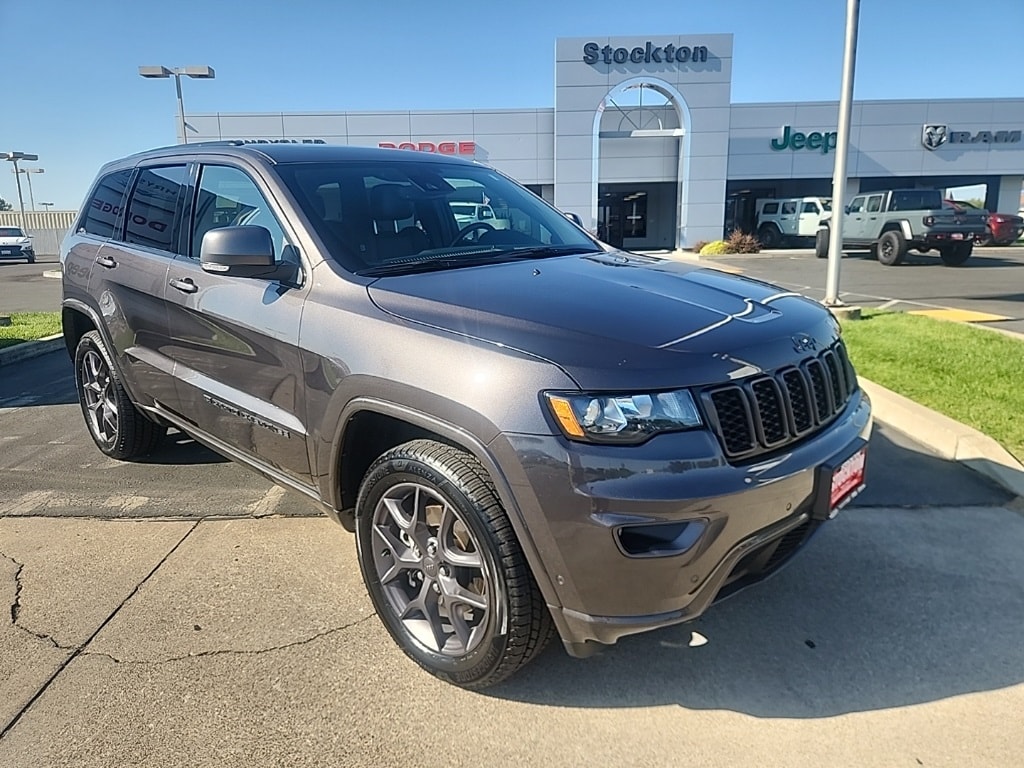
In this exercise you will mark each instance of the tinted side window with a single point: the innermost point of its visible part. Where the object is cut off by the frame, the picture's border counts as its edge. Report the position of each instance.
(771, 208)
(789, 208)
(155, 207)
(101, 215)
(857, 206)
(810, 208)
(874, 203)
(229, 198)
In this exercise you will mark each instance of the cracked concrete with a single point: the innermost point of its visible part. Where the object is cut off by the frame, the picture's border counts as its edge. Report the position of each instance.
(256, 652)
(62, 580)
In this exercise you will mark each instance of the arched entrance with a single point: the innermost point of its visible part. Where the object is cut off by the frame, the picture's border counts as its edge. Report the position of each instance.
(640, 169)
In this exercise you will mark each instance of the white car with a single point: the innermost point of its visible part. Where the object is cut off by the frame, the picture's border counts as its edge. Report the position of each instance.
(15, 244)
(470, 213)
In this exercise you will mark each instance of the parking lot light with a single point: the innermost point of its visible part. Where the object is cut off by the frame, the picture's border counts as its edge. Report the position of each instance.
(14, 157)
(28, 177)
(199, 72)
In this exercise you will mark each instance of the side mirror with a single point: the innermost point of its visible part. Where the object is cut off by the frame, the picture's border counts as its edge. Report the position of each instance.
(242, 252)
(846, 208)
(573, 217)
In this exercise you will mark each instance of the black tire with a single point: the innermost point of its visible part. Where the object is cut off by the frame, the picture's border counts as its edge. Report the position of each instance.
(117, 427)
(31, 260)
(892, 248)
(986, 240)
(454, 520)
(821, 243)
(770, 236)
(956, 255)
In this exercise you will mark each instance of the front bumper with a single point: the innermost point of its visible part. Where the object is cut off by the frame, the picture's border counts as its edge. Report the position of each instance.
(15, 252)
(749, 519)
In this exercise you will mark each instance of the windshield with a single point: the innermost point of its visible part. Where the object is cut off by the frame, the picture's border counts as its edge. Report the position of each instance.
(387, 215)
(11, 232)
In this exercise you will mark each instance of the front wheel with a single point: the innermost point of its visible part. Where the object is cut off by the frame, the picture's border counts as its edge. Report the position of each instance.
(955, 255)
(443, 566)
(892, 248)
(30, 259)
(117, 427)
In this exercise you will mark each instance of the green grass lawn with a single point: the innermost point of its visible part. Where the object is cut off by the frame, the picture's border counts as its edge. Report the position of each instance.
(29, 326)
(972, 375)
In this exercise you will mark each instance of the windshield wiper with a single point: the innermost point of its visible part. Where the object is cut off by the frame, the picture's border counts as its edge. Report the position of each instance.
(474, 258)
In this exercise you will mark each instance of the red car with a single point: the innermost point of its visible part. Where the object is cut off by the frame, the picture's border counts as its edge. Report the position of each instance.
(1003, 228)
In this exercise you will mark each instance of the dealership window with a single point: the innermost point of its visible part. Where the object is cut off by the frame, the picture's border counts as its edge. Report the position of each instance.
(154, 206)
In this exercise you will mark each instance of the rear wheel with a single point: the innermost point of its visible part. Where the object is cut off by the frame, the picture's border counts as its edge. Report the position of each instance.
(117, 427)
(443, 566)
(821, 244)
(770, 236)
(955, 255)
(892, 248)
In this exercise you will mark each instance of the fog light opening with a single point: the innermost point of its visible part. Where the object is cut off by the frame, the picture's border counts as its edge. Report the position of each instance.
(659, 540)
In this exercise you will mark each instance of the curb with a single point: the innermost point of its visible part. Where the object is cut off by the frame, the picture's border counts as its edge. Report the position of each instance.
(30, 349)
(947, 437)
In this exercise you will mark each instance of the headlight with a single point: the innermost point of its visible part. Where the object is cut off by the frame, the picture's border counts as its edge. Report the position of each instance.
(605, 418)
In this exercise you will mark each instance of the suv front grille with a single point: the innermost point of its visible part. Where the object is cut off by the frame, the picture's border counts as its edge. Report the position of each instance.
(766, 412)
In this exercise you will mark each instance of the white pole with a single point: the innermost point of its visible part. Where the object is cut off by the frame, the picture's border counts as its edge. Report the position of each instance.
(835, 243)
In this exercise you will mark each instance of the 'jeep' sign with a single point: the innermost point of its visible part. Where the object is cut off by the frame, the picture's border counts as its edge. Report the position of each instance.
(934, 135)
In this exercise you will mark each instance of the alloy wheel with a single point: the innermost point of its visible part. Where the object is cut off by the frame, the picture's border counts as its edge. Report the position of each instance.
(100, 398)
(431, 570)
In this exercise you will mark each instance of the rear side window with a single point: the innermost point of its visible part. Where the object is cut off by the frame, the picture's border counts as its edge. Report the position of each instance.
(155, 207)
(101, 216)
(771, 208)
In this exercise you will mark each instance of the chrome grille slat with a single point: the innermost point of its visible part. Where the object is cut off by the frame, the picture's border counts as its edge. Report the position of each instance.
(766, 412)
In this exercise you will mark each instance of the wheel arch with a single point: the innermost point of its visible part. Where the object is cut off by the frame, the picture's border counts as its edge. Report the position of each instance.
(350, 458)
(76, 320)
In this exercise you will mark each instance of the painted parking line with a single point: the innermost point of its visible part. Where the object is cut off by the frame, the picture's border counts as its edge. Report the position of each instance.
(959, 315)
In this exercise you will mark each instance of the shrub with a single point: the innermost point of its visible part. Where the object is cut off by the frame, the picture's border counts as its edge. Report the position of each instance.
(715, 248)
(741, 242)
(699, 245)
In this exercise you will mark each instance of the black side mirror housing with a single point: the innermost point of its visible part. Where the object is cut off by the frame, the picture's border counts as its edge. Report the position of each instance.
(242, 252)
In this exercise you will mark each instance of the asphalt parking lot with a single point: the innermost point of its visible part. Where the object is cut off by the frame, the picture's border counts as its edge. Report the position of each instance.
(183, 611)
(991, 282)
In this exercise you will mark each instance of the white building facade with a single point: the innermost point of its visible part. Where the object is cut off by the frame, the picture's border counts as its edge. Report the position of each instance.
(644, 143)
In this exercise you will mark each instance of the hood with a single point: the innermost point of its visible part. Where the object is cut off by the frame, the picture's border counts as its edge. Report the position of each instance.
(14, 240)
(616, 320)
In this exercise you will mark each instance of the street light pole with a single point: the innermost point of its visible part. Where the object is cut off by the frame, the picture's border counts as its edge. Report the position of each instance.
(46, 206)
(14, 157)
(835, 243)
(28, 177)
(199, 72)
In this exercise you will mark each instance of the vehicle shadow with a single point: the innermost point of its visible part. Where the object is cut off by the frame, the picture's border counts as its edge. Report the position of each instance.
(912, 259)
(178, 449)
(900, 601)
(886, 608)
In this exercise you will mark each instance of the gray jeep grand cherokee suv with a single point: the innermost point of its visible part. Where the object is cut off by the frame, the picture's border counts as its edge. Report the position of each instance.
(527, 432)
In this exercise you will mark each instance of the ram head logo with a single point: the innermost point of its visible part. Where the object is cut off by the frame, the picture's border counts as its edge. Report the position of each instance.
(934, 136)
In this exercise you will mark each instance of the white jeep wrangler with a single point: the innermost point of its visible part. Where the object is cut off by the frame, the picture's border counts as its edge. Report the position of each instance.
(781, 221)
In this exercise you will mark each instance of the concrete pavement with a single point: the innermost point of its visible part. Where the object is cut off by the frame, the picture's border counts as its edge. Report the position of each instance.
(895, 639)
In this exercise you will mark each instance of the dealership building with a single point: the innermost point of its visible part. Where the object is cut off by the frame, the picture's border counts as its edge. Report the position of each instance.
(645, 144)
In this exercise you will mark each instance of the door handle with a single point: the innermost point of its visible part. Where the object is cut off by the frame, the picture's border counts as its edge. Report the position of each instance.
(106, 261)
(185, 285)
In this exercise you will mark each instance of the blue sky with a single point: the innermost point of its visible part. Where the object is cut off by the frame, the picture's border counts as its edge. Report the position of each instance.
(73, 95)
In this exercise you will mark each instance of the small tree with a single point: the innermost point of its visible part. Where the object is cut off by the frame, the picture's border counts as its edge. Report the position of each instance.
(4, 205)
